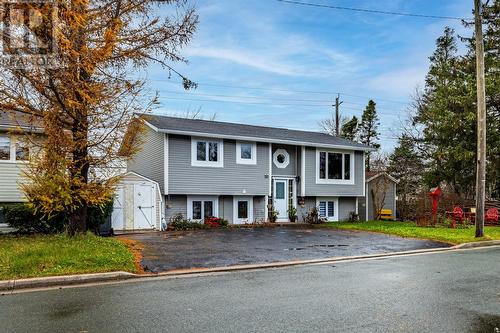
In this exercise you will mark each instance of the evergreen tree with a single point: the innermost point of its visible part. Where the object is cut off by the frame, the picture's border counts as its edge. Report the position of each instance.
(406, 165)
(349, 129)
(368, 129)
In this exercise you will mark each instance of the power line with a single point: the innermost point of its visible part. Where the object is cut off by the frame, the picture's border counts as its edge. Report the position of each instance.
(373, 11)
(201, 84)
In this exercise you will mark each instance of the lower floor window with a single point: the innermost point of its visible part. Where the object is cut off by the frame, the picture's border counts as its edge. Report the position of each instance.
(327, 209)
(201, 208)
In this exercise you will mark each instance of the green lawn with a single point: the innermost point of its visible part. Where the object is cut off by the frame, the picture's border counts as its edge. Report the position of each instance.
(35, 256)
(408, 229)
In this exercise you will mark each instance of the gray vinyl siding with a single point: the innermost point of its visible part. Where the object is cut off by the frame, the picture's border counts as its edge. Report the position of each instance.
(309, 203)
(175, 204)
(313, 189)
(150, 159)
(10, 178)
(291, 168)
(232, 179)
(346, 206)
(389, 202)
(259, 209)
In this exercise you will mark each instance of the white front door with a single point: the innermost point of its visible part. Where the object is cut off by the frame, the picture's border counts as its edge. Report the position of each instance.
(144, 207)
(280, 198)
(242, 210)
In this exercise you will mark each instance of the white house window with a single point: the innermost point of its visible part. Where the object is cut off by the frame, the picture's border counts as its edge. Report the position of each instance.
(200, 208)
(206, 152)
(4, 148)
(246, 153)
(281, 158)
(328, 209)
(13, 149)
(335, 167)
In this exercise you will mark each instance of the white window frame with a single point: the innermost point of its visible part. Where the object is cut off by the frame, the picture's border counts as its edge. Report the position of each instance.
(215, 206)
(220, 153)
(275, 158)
(249, 219)
(335, 181)
(335, 201)
(252, 160)
(12, 150)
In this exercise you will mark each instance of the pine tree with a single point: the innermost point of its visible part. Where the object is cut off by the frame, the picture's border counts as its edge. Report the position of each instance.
(349, 129)
(368, 129)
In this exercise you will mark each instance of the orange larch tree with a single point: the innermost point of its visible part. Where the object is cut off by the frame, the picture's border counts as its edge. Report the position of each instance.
(86, 97)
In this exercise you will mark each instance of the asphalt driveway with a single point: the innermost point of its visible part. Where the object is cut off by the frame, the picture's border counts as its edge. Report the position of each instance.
(227, 247)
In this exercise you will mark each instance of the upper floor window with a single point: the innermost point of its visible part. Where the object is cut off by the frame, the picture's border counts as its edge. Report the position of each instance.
(246, 153)
(206, 152)
(334, 167)
(281, 158)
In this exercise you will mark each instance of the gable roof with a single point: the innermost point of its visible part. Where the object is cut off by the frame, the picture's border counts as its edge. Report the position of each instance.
(209, 128)
(371, 175)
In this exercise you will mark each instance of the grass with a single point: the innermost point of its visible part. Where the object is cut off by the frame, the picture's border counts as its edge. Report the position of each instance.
(411, 230)
(46, 255)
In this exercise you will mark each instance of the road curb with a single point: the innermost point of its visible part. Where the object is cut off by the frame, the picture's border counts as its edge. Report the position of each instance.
(80, 279)
(65, 280)
(477, 244)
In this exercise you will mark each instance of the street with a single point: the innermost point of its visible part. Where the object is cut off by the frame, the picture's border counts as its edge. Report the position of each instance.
(455, 291)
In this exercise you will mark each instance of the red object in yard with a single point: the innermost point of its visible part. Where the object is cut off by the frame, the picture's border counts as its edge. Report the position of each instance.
(212, 221)
(491, 215)
(435, 193)
(458, 215)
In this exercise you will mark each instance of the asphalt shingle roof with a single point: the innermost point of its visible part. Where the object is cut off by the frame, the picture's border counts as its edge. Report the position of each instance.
(267, 134)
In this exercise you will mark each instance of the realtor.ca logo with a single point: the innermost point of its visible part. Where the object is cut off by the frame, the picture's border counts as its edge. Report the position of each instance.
(28, 28)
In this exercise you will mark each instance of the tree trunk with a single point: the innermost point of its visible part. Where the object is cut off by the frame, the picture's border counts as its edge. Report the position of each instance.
(78, 220)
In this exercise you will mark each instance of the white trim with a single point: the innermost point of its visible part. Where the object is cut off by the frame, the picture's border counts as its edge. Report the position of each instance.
(395, 198)
(146, 179)
(165, 166)
(336, 181)
(153, 127)
(364, 174)
(259, 139)
(212, 164)
(357, 203)
(385, 174)
(270, 169)
(252, 160)
(367, 197)
(266, 210)
(335, 200)
(202, 198)
(249, 218)
(303, 171)
(287, 195)
(283, 152)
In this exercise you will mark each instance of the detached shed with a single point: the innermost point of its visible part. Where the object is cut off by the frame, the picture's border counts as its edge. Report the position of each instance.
(380, 193)
(137, 205)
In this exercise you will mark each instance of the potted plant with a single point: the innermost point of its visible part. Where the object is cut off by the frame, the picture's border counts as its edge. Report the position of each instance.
(292, 214)
(273, 216)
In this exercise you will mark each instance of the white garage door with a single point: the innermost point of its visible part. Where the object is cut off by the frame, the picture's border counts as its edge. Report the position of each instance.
(144, 206)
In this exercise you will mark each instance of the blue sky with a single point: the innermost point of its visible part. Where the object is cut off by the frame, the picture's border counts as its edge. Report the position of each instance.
(269, 63)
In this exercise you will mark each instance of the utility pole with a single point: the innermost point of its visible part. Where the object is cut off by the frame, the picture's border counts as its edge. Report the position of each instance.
(481, 122)
(337, 115)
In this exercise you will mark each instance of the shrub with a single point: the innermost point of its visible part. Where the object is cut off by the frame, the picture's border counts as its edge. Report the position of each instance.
(273, 216)
(26, 221)
(292, 214)
(313, 217)
(177, 222)
(216, 222)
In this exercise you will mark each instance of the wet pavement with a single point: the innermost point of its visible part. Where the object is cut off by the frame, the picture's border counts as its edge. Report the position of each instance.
(228, 247)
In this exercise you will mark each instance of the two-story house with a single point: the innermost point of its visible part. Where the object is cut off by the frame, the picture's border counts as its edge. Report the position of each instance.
(242, 172)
